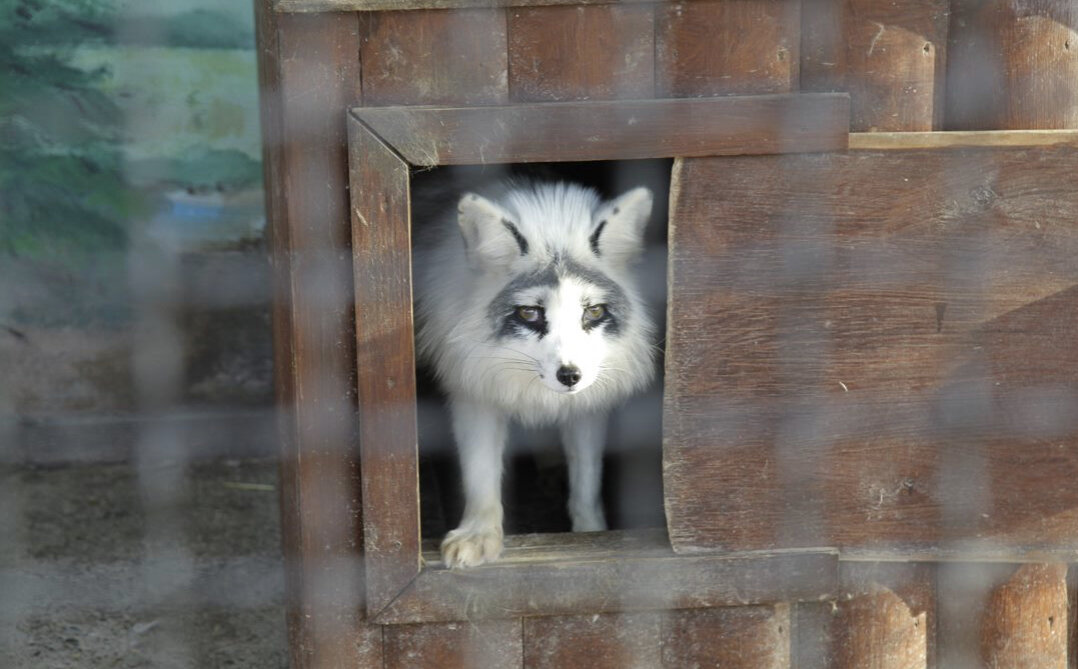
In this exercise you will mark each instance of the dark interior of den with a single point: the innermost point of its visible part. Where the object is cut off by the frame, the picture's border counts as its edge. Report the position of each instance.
(534, 485)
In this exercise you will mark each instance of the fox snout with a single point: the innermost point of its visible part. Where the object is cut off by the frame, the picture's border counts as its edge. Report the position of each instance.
(568, 375)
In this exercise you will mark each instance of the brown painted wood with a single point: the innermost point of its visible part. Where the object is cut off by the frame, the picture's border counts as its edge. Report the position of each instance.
(879, 631)
(898, 628)
(309, 72)
(1013, 65)
(389, 5)
(273, 176)
(884, 616)
(381, 247)
(995, 615)
(1072, 617)
(567, 575)
(961, 139)
(873, 352)
(601, 52)
(434, 57)
(890, 57)
(753, 637)
(567, 131)
(1025, 622)
(721, 48)
(495, 644)
(602, 641)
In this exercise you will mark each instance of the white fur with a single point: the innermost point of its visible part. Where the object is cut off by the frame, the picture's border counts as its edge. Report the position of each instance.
(492, 377)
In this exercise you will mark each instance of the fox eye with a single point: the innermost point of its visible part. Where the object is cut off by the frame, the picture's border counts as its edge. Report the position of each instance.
(594, 312)
(530, 314)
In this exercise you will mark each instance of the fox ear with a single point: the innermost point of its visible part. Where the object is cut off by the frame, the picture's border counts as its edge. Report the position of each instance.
(617, 230)
(491, 234)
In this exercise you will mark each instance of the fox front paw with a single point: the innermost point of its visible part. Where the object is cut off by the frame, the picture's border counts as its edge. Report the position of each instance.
(471, 547)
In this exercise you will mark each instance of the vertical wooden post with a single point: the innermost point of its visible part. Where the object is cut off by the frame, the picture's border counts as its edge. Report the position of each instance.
(309, 74)
(1013, 65)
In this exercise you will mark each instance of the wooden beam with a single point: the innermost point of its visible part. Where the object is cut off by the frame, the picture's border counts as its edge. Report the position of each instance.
(306, 6)
(621, 571)
(622, 130)
(867, 141)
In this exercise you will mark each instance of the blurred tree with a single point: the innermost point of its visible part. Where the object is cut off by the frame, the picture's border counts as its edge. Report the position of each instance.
(61, 181)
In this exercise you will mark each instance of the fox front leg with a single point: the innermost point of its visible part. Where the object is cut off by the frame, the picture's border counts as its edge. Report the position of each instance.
(583, 438)
(481, 434)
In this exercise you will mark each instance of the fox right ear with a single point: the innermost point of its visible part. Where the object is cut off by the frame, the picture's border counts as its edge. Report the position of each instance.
(491, 234)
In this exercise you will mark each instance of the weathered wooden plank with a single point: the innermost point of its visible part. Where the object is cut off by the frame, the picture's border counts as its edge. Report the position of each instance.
(993, 615)
(960, 138)
(575, 580)
(873, 351)
(496, 644)
(890, 57)
(434, 57)
(884, 616)
(309, 71)
(602, 52)
(567, 131)
(603, 641)
(722, 48)
(381, 247)
(391, 5)
(1013, 64)
(756, 637)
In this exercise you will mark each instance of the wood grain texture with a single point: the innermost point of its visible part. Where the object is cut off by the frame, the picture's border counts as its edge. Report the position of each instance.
(568, 131)
(434, 57)
(309, 72)
(898, 628)
(872, 351)
(604, 641)
(884, 616)
(306, 6)
(1026, 619)
(1013, 65)
(496, 644)
(602, 52)
(890, 57)
(727, 47)
(568, 577)
(388, 439)
(752, 637)
(997, 615)
(961, 139)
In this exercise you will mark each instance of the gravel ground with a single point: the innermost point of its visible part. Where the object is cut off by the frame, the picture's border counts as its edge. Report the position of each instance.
(99, 568)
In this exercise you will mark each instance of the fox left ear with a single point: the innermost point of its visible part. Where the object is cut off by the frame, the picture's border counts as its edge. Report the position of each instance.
(617, 230)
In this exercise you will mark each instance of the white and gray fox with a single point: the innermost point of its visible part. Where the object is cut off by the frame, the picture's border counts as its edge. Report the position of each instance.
(527, 310)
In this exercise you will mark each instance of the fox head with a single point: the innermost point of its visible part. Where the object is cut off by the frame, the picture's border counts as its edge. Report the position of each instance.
(565, 303)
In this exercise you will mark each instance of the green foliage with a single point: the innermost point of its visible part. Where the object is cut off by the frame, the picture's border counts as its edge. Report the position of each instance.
(199, 169)
(196, 28)
(61, 178)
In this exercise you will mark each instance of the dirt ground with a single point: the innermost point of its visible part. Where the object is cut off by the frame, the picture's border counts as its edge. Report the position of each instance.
(98, 568)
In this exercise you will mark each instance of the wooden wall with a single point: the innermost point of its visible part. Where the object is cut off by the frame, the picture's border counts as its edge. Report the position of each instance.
(909, 65)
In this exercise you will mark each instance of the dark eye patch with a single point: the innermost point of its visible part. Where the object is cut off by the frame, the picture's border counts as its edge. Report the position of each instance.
(524, 320)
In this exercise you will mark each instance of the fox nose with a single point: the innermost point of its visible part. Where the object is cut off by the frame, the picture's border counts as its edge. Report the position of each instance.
(568, 375)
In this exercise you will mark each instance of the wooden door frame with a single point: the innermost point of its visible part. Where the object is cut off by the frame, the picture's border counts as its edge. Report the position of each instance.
(570, 574)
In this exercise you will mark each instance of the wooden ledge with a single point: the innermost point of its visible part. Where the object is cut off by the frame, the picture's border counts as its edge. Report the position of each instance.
(608, 572)
(864, 141)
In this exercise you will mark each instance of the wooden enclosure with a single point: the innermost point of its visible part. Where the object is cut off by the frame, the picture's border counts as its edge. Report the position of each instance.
(871, 390)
